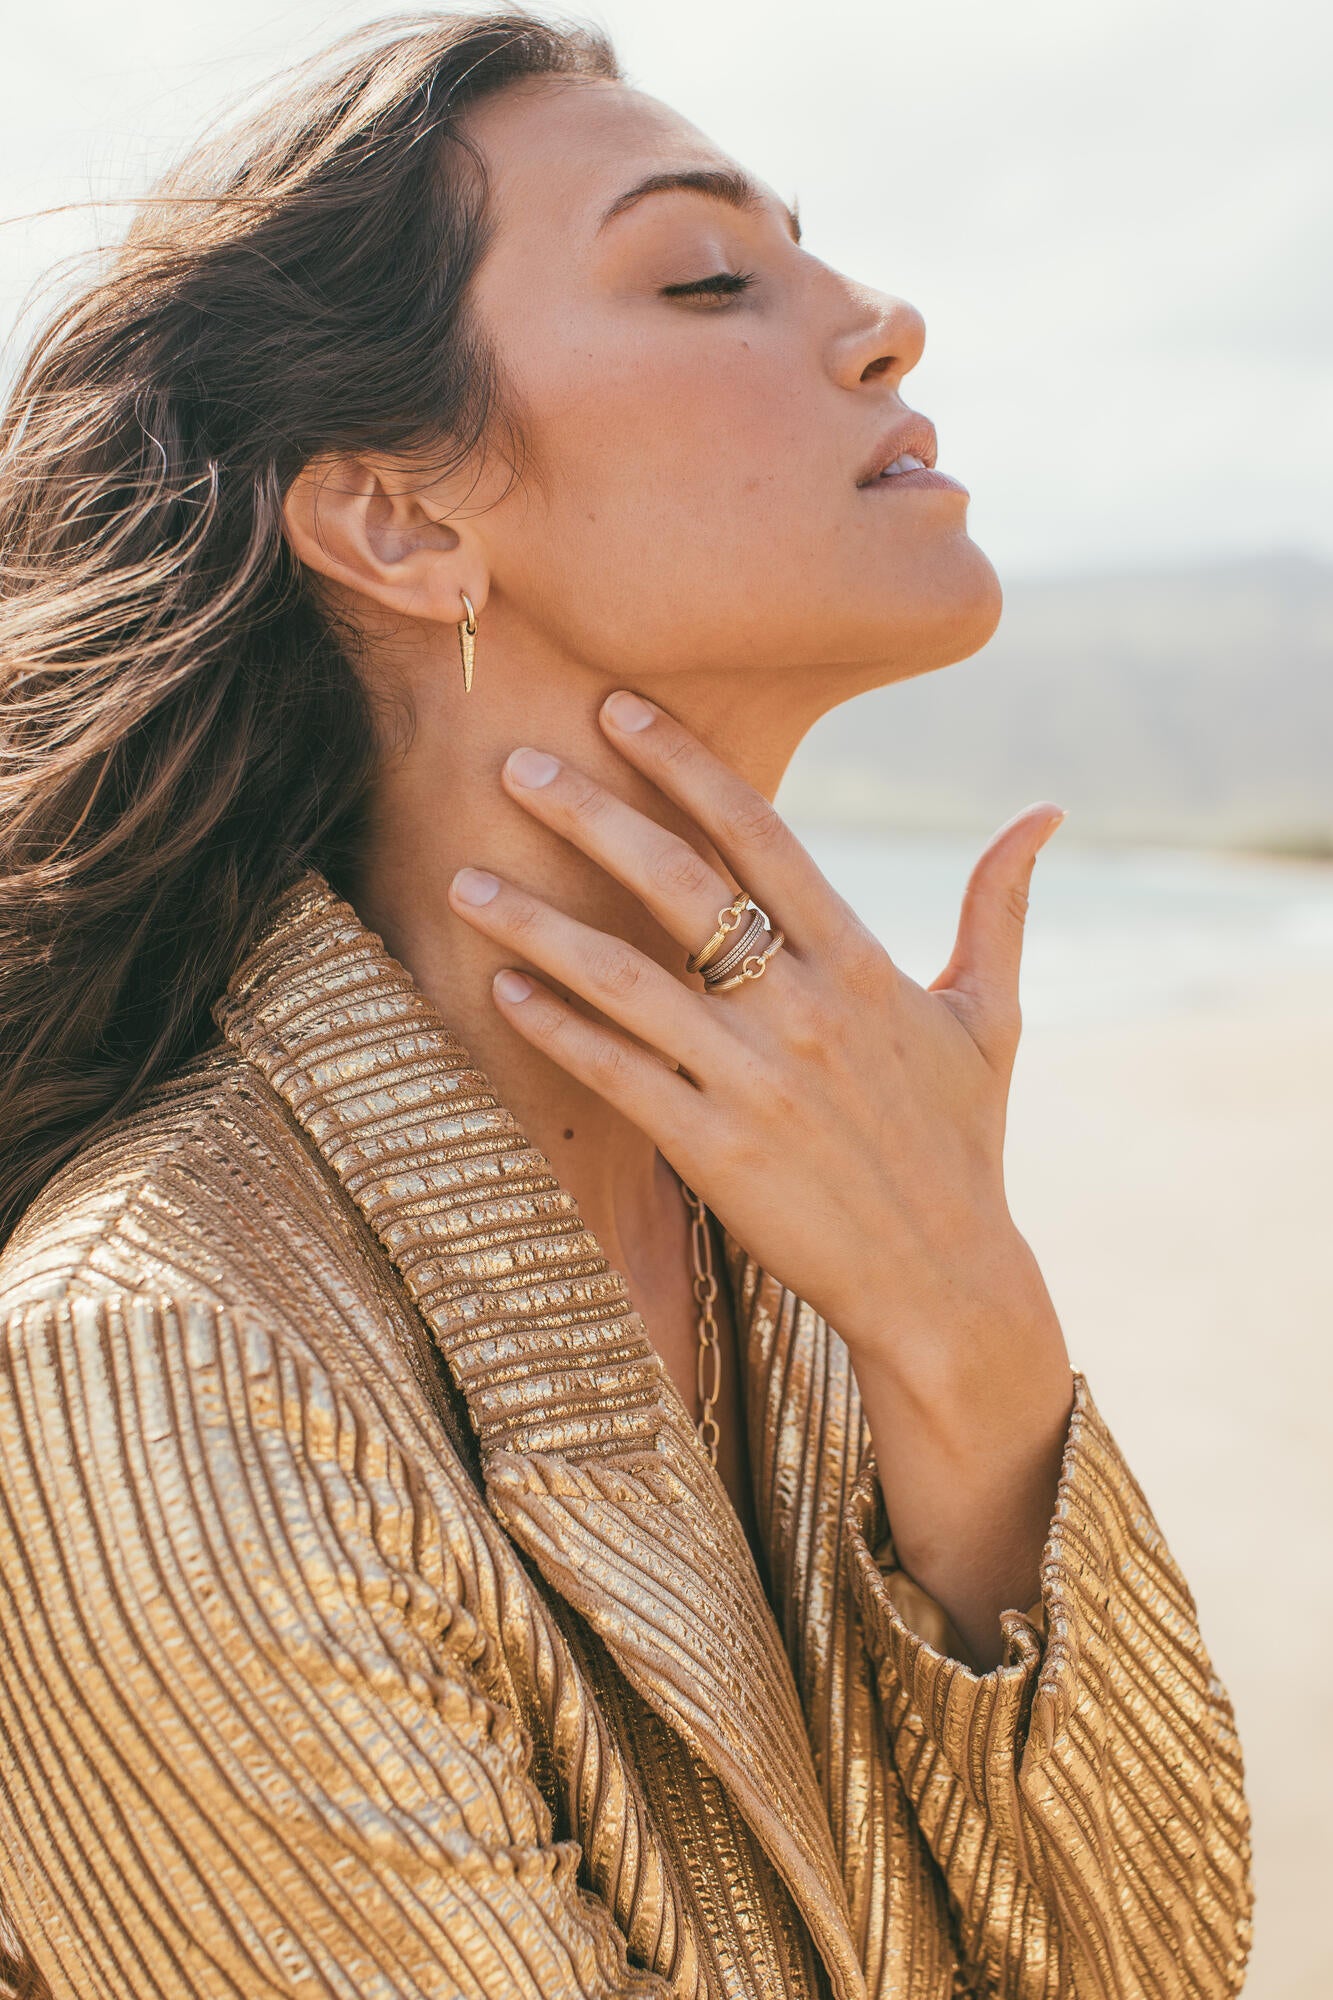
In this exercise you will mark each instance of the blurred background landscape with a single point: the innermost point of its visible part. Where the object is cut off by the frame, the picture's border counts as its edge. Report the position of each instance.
(1191, 705)
(1116, 220)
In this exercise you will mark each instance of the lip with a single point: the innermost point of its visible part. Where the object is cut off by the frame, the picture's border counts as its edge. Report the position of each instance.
(925, 479)
(915, 433)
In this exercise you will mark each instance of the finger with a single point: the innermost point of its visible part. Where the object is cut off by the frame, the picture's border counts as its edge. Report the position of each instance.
(685, 893)
(988, 949)
(659, 1102)
(745, 827)
(622, 983)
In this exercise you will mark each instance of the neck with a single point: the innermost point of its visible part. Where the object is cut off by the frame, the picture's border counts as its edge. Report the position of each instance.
(439, 805)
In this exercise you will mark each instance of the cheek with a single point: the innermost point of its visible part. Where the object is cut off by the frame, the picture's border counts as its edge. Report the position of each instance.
(673, 528)
(685, 491)
(668, 454)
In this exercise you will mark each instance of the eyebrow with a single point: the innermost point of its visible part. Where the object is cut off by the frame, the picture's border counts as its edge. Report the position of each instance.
(730, 184)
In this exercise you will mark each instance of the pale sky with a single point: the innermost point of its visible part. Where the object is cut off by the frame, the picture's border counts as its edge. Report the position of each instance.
(1116, 217)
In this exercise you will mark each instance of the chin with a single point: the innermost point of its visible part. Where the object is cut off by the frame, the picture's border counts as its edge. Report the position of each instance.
(951, 611)
(974, 601)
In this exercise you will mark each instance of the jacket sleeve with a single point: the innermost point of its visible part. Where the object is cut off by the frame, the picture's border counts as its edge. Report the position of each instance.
(1083, 1800)
(248, 1746)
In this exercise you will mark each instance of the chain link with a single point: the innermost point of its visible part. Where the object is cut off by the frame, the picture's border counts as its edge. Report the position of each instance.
(708, 1362)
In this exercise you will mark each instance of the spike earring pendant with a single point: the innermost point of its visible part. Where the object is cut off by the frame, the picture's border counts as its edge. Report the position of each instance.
(467, 641)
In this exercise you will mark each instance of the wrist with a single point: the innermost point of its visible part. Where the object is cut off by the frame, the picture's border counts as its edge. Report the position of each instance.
(969, 1525)
(969, 1430)
(947, 1340)
(968, 1412)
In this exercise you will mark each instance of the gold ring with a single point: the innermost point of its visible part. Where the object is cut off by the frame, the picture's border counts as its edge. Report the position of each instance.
(749, 941)
(734, 911)
(753, 967)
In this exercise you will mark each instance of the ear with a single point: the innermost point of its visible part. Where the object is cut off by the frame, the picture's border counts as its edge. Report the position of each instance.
(352, 520)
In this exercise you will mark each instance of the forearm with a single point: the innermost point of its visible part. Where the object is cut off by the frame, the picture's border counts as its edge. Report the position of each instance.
(968, 1409)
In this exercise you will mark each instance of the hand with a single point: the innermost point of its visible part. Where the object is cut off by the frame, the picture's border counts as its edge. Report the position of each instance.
(843, 1123)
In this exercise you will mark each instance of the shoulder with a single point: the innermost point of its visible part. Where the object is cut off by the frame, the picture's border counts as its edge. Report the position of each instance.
(198, 1268)
(205, 1216)
(204, 1192)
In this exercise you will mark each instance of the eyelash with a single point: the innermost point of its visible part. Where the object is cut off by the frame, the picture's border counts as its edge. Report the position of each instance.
(722, 285)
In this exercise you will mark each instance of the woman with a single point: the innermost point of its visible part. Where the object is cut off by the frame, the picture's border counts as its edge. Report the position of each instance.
(446, 1548)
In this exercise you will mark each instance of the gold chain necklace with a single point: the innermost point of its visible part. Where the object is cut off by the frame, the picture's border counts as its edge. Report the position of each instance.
(708, 1361)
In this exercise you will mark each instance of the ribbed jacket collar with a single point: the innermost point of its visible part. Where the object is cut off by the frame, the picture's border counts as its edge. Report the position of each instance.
(590, 1458)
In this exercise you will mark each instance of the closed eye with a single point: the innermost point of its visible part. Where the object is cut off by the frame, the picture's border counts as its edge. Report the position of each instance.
(723, 284)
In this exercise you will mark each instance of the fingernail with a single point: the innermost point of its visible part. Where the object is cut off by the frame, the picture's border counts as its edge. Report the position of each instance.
(512, 985)
(475, 886)
(531, 767)
(1051, 829)
(627, 712)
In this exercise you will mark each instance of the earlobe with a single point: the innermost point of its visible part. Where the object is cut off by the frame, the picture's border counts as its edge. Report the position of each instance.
(346, 522)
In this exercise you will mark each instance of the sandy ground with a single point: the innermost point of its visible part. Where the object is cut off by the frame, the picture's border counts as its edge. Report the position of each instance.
(1174, 1178)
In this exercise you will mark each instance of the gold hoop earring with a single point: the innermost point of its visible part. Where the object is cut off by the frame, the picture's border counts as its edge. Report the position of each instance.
(467, 641)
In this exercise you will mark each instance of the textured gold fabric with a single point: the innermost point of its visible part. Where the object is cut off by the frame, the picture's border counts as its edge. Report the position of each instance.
(373, 1624)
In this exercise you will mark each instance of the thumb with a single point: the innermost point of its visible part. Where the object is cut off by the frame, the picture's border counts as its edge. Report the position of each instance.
(982, 973)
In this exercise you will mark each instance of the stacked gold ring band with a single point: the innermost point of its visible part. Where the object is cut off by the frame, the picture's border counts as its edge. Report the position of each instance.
(737, 909)
(725, 965)
(748, 941)
(752, 967)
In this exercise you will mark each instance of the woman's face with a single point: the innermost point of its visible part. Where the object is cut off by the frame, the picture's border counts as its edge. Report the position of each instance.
(694, 491)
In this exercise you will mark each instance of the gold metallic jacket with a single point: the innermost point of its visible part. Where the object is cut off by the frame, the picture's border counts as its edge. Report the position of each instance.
(373, 1625)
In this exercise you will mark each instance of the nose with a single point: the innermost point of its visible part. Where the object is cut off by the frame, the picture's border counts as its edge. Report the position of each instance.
(883, 340)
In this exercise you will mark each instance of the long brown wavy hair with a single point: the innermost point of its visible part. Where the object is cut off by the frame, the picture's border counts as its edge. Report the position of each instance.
(181, 722)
